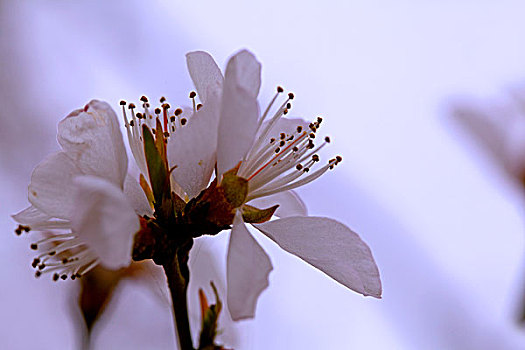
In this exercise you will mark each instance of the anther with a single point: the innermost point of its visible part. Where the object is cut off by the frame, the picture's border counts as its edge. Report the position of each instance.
(199, 106)
(64, 277)
(283, 136)
(144, 99)
(298, 167)
(312, 135)
(327, 139)
(339, 159)
(285, 111)
(34, 246)
(18, 231)
(299, 129)
(157, 110)
(183, 121)
(131, 106)
(282, 143)
(193, 94)
(289, 105)
(319, 120)
(38, 274)
(315, 158)
(295, 149)
(277, 150)
(166, 134)
(280, 89)
(162, 99)
(131, 123)
(35, 262)
(55, 277)
(272, 140)
(52, 253)
(65, 261)
(41, 266)
(140, 115)
(291, 96)
(122, 102)
(172, 118)
(166, 106)
(178, 111)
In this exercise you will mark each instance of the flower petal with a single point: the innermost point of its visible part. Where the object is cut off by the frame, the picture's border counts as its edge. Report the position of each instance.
(248, 268)
(192, 149)
(246, 71)
(136, 197)
(205, 73)
(239, 111)
(104, 219)
(31, 215)
(290, 204)
(91, 136)
(51, 189)
(329, 246)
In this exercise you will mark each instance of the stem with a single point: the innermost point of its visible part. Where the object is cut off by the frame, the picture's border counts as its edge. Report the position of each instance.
(177, 273)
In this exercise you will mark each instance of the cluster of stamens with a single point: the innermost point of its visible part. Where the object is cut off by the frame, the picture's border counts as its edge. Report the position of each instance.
(281, 163)
(59, 253)
(171, 120)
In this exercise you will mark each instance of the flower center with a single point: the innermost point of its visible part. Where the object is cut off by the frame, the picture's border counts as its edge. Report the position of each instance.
(282, 162)
(171, 121)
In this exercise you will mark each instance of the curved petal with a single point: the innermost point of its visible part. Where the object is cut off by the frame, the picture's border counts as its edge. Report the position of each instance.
(329, 246)
(91, 136)
(192, 149)
(31, 215)
(51, 189)
(239, 111)
(290, 204)
(136, 197)
(104, 219)
(246, 70)
(205, 73)
(247, 271)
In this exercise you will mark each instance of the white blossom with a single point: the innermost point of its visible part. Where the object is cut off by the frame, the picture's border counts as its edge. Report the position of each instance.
(275, 155)
(82, 199)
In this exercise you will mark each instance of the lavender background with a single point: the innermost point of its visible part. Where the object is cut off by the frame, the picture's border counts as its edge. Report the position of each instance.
(443, 222)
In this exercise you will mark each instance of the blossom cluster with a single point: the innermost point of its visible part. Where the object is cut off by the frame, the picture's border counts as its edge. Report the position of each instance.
(224, 159)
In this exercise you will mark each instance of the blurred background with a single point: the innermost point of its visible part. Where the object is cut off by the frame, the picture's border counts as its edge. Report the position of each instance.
(443, 218)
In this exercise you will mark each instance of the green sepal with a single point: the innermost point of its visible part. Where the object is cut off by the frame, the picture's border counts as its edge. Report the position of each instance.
(254, 215)
(235, 189)
(158, 172)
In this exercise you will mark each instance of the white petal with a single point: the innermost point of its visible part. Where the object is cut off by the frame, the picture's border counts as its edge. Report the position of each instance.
(248, 268)
(192, 149)
(31, 215)
(329, 246)
(246, 70)
(136, 197)
(290, 204)
(205, 73)
(239, 111)
(104, 220)
(51, 188)
(91, 136)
